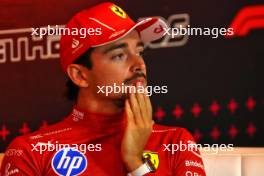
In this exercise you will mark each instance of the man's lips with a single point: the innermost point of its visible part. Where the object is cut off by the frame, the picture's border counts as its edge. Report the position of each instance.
(137, 76)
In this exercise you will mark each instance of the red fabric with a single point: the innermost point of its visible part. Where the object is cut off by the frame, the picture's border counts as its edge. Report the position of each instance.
(88, 128)
(108, 20)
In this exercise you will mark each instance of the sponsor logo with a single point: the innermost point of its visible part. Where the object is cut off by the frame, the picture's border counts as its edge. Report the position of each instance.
(247, 19)
(17, 45)
(190, 173)
(69, 162)
(13, 152)
(118, 11)
(77, 115)
(158, 29)
(75, 43)
(167, 41)
(153, 157)
(9, 171)
(193, 163)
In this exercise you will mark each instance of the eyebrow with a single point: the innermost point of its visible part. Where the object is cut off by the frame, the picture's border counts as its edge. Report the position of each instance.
(122, 45)
(141, 44)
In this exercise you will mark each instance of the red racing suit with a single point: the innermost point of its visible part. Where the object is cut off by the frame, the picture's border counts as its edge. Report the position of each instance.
(99, 137)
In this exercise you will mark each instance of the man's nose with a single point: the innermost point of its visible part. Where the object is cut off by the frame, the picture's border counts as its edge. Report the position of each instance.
(138, 64)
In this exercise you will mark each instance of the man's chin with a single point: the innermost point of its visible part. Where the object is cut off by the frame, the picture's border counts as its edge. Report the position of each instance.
(120, 101)
(122, 96)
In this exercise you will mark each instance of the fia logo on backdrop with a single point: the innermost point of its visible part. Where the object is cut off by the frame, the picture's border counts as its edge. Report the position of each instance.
(69, 162)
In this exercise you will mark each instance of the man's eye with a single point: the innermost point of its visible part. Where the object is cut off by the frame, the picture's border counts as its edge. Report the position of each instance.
(119, 57)
(141, 54)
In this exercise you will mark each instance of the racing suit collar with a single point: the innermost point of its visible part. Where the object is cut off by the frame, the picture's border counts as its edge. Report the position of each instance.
(99, 121)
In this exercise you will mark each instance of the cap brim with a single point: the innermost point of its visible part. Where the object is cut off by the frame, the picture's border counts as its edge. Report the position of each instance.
(150, 29)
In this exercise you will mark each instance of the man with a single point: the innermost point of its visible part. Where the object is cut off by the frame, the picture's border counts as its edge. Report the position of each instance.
(107, 135)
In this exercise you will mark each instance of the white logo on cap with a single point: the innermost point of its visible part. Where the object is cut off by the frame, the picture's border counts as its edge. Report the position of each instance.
(75, 43)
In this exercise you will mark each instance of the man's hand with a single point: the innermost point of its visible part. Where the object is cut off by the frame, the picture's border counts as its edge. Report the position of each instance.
(139, 127)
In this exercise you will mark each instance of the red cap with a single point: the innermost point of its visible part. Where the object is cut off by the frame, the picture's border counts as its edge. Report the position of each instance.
(103, 24)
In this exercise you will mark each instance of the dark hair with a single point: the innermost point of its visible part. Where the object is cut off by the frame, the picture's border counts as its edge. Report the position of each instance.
(72, 89)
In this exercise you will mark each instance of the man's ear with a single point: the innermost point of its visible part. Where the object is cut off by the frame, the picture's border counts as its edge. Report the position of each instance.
(78, 74)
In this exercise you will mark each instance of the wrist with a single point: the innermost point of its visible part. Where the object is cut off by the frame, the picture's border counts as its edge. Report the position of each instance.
(133, 163)
(142, 170)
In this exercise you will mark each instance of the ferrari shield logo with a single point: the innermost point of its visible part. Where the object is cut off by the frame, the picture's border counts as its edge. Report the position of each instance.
(118, 11)
(153, 157)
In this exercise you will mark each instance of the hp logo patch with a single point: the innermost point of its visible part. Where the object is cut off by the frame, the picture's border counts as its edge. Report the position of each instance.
(69, 162)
